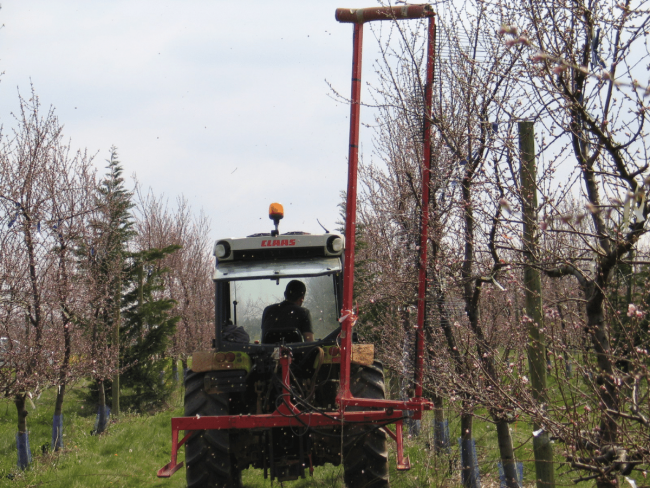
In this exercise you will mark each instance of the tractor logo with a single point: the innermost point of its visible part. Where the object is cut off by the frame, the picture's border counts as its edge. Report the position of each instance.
(279, 242)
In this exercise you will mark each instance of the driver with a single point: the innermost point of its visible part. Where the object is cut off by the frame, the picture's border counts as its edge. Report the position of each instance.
(290, 313)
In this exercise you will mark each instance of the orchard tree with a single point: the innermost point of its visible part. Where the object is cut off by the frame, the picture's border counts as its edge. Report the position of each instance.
(584, 62)
(70, 184)
(44, 192)
(189, 278)
(468, 237)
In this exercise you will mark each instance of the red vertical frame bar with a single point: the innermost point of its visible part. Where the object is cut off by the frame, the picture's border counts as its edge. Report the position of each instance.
(426, 191)
(351, 214)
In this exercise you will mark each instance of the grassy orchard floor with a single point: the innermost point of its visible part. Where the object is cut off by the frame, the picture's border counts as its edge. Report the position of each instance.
(127, 455)
(131, 451)
(134, 447)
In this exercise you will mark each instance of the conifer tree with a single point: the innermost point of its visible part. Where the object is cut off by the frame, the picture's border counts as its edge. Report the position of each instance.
(105, 254)
(147, 328)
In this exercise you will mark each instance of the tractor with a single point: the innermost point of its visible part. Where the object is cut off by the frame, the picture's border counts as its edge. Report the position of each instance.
(245, 379)
(286, 400)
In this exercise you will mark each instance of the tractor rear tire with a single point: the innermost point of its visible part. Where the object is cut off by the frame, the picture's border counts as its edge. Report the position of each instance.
(365, 456)
(208, 456)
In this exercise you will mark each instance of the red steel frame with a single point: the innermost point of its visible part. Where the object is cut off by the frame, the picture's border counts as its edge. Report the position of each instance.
(359, 17)
(384, 411)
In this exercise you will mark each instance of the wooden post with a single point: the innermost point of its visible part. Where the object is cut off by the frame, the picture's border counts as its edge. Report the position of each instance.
(141, 299)
(533, 292)
(115, 388)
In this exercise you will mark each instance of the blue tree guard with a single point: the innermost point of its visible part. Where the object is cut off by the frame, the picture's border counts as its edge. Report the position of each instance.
(441, 436)
(57, 432)
(520, 475)
(24, 452)
(413, 427)
(469, 463)
(107, 413)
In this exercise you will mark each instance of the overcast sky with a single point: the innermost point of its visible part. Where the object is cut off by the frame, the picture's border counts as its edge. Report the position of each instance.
(225, 102)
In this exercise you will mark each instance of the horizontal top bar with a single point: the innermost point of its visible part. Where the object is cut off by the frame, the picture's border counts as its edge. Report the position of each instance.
(414, 404)
(362, 15)
(285, 419)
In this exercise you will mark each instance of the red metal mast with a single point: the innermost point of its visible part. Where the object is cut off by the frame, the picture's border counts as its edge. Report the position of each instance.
(426, 192)
(351, 215)
(359, 17)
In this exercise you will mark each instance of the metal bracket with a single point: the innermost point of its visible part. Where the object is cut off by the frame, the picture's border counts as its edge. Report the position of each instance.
(403, 462)
(173, 466)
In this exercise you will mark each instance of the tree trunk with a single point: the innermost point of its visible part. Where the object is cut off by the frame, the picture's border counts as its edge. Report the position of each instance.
(486, 356)
(441, 443)
(101, 425)
(468, 475)
(19, 400)
(175, 369)
(57, 423)
(57, 420)
(58, 404)
(507, 454)
(609, 391)
(22, 437)
(63, 372)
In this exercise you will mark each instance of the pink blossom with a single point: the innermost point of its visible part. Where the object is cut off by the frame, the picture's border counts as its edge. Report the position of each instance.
(507, 29)
(605, 75)
(538, 57)
(631, 310)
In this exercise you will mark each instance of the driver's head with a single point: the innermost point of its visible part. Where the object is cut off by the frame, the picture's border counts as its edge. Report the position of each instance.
(295, 291)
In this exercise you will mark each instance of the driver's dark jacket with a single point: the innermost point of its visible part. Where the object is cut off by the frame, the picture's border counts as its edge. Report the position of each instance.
(286, 315)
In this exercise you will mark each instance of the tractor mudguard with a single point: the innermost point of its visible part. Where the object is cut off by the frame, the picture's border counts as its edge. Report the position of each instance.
(203, 361)
(363, 354)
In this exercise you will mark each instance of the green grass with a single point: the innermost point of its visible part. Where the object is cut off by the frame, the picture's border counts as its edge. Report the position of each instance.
(128, 454)
(136, 445)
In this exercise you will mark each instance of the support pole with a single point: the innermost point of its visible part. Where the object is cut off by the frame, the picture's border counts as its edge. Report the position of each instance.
(426, 193)
(351, 214)
(115, 386)
(533, 294)
(358, 17)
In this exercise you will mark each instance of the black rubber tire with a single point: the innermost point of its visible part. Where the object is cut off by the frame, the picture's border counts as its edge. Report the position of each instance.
(365, 457)
(208, 457)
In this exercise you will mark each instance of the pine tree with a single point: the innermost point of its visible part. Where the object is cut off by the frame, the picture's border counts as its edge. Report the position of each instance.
(104, 254)
(147, 328)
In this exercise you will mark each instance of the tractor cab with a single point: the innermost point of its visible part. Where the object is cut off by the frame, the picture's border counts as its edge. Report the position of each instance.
(252, 273)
